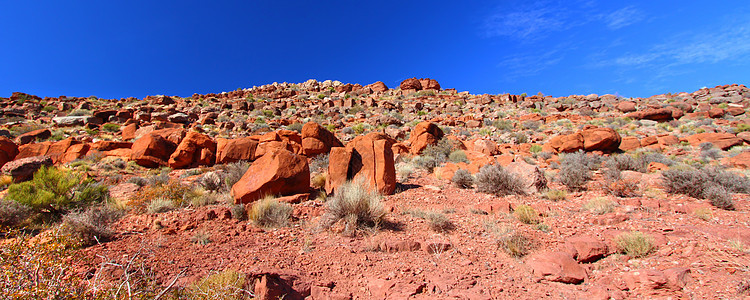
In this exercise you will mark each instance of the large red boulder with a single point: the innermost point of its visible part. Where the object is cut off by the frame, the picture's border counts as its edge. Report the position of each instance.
(34, 136)
(601, 139)
(232, 150)
(378, 87)
(411, 84)
(196, 149)
(654, 114)
(317, 140)
(429, 84)
(566, 143)
(369, 157)
(279, 173)
(8, 150)
(587, 249)
(423, 135)
(152, 150)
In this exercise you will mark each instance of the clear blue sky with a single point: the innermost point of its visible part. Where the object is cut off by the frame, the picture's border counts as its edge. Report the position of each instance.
(115, 49)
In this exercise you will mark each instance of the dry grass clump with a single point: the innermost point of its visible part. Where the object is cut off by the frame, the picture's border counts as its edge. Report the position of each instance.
(462, 179)
(494, 179)
(635, 244)
(703, 214)
(201, 237)
(228, 284)
(555, 195)
(600, 205)
(318, 181)
(515, 245)
(12, 213)
(623, 187)
(439, 222)
(238, 212)
(269, 212)
(526, 214)
(171, 190)
(357, 203)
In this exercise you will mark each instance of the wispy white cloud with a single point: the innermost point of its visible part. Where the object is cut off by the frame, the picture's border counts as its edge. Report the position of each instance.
(541, 18)
(622, 17)
(524, 65)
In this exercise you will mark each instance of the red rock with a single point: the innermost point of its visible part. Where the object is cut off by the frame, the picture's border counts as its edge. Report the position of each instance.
(128, 132)
(110, 145)
(715, 113)
(23, 169)
(338, 168)
(399, 246)
(317, 140)
(735, 111)
(629, 143)
(532, 177)
(34, 136)
(626, 106)
(174, 135)
(279, 173)
(372, 158)
(378, 87)
(566, 143)
(587, 249)
(423, 135)
(667, 140)
(741, 160)
(485, 146)
(152, 151)
(557, 267)
(411, 84)
(722, 141)
(33, 149)
(232, 150)
(8, 150)
(429, 84)
(656, 166)
(655, 114)
(645, 279)
(196, 149)
(677, 278)
(601, 139)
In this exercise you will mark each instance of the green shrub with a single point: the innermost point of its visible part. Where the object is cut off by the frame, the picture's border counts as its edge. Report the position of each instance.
(56, 191)
(79, 113)
(535, 148)
(296, 126)
(462, 179)
(635, 244)
(269, 212)
(357, 203)
(427, 163)
(49, 108)
(111, 127)
(494, 179)
(458, 156)
(441, 151)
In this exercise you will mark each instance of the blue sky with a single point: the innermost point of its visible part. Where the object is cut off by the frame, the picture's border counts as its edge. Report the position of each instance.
(115, 49)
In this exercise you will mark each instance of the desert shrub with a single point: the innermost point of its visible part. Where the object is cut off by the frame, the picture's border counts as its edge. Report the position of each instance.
(555, 195)
(623, 188)
(404, 170)
(719, 197)
(624, 162)
(706, 146)
(635, 244)
(649, 157)
(703, 214)
(319, 164)
(56, 191)
(427, 163)
(238, 212)
(159, 179)
(203, 198)
(234, 172)
(79, 113)
(439, 222)
(462, 179)
(49, 108)
(90, 226)
(211, 181)
(111, 127)
(520, 138)
(709, 183)
(356, 202)
(296, 126)
(228, 284)
(531, 124)
(318, 181)
(12, 213)
(440, 151)
(458, 156)
(515, 245)
(494, 179)
(526, 214)
(269, 212)
(575, 169)
(600, 205)
(535, 148)
(503, 125)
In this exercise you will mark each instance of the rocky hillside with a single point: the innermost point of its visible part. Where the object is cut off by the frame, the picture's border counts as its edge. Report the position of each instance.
(461, 196)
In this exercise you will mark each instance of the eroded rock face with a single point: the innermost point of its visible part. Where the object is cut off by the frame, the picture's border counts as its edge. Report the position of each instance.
(557, 267)
(369, 157)
(590, 139)
(278, 173)
(722, 141)
(654, 114)
(8, 150)
(411, 84)
(24, 169)
(194, 150)
(317, 140)
(423, 135)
